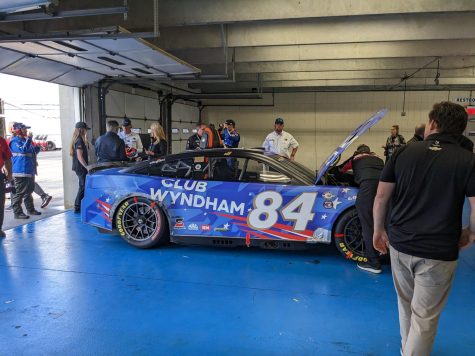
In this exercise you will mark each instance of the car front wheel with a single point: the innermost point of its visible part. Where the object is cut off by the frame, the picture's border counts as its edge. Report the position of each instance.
(348, 236)
(142, 223)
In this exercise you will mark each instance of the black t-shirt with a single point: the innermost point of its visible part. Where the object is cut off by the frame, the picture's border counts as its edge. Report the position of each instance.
(80, 145)
(432, 179)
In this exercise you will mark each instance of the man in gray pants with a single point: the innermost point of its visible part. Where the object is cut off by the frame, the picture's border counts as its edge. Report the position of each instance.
(425, 230)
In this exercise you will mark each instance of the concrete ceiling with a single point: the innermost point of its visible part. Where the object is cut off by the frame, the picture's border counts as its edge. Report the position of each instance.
(292, 45)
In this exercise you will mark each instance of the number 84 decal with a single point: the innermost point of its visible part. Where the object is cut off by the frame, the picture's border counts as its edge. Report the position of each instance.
(267, 206)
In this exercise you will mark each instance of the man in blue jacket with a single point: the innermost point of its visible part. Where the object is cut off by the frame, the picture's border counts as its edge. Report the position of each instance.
(24, 167)
(229, 135)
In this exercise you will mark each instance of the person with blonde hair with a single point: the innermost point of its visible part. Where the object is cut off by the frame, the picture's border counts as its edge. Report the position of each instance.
(78, 151)
(158, 145)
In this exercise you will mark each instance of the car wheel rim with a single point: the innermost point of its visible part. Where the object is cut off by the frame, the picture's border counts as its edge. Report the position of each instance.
(140, 221)
(353, 236)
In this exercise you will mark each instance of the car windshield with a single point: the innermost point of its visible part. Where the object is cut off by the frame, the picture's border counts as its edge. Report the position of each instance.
(285, 162)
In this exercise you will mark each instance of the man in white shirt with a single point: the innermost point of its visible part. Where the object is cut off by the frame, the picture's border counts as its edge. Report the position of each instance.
(132, 140)
(280, 141)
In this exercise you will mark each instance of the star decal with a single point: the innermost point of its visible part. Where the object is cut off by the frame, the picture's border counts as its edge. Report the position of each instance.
(335, 203)
(324, 216)
(345, 190)
(108, 199)
(226, 226)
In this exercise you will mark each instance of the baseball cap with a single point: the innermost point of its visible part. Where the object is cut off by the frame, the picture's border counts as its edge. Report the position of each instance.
(230, 122)
(279, 121)
(126, 122)
(20, 126)
(82, 125)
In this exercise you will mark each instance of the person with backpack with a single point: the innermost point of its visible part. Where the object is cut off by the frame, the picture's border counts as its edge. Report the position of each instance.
(281, 142)
(210, 137)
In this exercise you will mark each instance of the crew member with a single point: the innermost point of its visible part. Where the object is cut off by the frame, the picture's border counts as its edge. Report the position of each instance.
(158, 143)
(425, 236)
(24, 168)
(132, 140)
(109, 147)
(78, 151)
(418, 134)
(193, 142)
(229, 134)
(393, 142)
(281, 142)
(367, 168)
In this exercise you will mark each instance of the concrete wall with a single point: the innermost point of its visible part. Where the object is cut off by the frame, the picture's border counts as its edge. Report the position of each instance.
(69, 113)
(321, 121)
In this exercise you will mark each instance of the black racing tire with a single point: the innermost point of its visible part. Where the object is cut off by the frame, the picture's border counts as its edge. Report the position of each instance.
(142, 223)
(348, 236)
(51, 146)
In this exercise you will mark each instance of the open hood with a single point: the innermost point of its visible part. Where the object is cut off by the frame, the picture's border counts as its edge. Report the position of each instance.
(349, 140)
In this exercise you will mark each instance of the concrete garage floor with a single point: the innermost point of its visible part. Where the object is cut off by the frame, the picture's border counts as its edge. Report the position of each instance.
(66, 289)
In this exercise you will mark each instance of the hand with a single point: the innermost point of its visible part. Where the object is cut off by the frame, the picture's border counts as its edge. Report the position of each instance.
(30, 134)
(9, 177)
(467, 238)
(150, 153)
(292, 158)
(138, 159)
(381, 241)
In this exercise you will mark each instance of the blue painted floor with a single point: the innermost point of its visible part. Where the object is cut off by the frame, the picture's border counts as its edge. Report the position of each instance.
(67, 290)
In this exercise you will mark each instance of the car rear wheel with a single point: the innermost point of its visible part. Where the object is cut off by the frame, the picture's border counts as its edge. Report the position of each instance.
(348, 236)
(51, 146)
(142, 223)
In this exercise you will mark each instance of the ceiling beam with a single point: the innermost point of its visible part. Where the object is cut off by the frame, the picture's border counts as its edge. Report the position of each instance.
(439, 48)
(348, 64)
(410, 27)
(395, 74)
(203, 12)
(427, 83)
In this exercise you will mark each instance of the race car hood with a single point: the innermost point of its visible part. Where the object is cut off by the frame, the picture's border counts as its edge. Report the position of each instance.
(349, 140)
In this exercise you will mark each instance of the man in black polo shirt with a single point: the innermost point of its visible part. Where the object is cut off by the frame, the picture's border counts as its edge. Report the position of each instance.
(427, 181)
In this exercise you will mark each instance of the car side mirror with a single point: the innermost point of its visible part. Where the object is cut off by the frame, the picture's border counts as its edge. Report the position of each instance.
(274, 177)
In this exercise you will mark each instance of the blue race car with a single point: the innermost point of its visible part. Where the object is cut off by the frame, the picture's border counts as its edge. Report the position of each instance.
(228, 197)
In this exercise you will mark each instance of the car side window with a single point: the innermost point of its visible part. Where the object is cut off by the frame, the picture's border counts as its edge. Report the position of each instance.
(245, 170)
(173, 169)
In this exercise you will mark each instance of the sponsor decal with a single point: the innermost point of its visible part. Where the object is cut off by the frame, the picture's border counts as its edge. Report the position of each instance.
(193, 227)
(179, 223)
(228, 153)
(319, 235)
(197, 166)
(435, 146)
(351, 198)
(327, 195)
(328, 204)
(225, 227)
(205, 227)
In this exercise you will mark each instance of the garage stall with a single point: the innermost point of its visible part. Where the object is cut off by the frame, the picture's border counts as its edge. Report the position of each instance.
(228, 250)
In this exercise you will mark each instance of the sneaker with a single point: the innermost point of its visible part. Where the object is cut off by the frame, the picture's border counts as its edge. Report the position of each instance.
(21, 216)
(34, 212)
(365, 266)
(45, 201)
